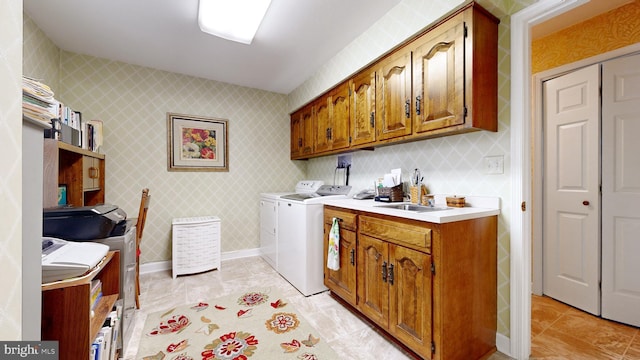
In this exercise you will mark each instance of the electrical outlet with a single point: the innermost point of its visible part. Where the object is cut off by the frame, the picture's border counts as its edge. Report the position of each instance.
(344, 161)
(494, 165)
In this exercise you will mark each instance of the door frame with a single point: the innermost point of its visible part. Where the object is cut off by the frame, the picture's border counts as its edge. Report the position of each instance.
(524, 222)
(521, 161)
(538, 139)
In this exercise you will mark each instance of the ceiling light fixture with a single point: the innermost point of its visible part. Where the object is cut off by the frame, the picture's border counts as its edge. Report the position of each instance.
(235, 20)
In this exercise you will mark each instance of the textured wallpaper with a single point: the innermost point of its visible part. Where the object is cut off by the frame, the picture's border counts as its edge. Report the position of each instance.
(41, 56)
(11, 170)
(133, 101)
(451, 165)
(612, 30)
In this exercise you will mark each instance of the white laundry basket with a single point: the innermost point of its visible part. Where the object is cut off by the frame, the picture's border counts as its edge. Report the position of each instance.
(195, 245)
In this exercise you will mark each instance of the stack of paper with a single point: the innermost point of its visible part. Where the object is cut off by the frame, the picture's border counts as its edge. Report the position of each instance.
(37, 100)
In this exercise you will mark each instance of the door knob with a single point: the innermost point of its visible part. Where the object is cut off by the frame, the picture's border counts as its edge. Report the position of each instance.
(585, 203)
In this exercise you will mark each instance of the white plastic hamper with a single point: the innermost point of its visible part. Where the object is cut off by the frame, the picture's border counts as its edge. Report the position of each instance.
(195, 245)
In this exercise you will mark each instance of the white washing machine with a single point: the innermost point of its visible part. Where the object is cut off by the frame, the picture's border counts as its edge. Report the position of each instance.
(269, 219)
(300, 237)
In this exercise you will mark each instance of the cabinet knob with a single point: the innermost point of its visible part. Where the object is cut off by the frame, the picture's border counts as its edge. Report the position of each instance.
(93, 172)
(586, 203)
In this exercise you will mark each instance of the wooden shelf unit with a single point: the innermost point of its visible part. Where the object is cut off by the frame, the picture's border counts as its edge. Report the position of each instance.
(66, 308)
(82, 171)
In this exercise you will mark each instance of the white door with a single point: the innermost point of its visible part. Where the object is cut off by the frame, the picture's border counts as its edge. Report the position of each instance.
(621, 190)
(571, 221)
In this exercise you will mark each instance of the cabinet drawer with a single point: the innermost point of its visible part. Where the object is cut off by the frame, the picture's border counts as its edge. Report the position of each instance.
(91, 173)
(396, 232)
(348, 220)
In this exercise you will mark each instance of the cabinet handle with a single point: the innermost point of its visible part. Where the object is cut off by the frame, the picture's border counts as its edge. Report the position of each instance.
(93, 173)
(391, 274)
(384, 271)
(299, 142)
(329, 133)
(372, 119)
(418, 101)
(352, 257)
(407, 108)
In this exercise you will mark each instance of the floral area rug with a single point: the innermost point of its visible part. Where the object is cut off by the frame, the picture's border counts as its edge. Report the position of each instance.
(252, 325)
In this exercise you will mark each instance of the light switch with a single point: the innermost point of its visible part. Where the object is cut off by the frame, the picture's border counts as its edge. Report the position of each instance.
(494, 165)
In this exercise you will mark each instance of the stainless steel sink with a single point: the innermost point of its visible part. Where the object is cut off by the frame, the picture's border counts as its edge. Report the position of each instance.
(413, 207)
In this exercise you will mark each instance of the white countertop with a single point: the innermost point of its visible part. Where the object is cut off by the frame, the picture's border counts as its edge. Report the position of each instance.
(476, 207)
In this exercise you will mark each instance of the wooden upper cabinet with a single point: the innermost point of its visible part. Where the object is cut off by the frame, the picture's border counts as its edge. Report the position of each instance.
(332, 119)
(302, 133)
(322, 113)
(442, 82)
(363, 107)
(340, 116)
(296, 134)
(438, 84)
(307, 130)
(393, 105)
(455, 84)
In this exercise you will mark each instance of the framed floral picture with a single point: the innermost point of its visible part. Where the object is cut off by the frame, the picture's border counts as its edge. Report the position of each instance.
(196, 143)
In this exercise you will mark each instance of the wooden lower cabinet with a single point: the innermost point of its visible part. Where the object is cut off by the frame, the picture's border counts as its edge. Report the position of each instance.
(342, 281)
(409, 301)
(430, 286)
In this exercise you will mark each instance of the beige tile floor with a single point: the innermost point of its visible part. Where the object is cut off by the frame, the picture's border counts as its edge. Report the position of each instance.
(559, 331)
(349, 336)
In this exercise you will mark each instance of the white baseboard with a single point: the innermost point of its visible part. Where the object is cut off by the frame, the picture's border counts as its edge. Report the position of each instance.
(166, 265)
(503, 344)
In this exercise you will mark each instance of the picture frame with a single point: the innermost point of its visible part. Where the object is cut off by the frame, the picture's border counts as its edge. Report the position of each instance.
(197, 143)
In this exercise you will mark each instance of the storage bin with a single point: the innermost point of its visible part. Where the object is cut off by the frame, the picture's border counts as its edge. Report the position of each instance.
(195, 245)
(394, 194)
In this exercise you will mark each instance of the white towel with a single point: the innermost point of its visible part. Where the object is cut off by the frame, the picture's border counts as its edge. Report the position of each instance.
(333, 256)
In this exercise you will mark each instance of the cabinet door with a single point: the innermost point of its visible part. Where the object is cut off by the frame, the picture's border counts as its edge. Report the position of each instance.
(296, 134)
(90, 173)
(373, 289)
(323, 124)
(342, 282)
(409, 281)
(307, 127)
(340, 100)
(363, 108)
(394, 107)
(438, 85)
